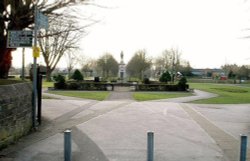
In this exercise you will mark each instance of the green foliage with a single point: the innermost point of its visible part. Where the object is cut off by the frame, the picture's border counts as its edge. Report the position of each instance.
(182, 81)
(60, 82)
(77, 75)
(59, 78)
(97, 79)
(165, 77)
(231, 75)
(183, 84)
(146, 81)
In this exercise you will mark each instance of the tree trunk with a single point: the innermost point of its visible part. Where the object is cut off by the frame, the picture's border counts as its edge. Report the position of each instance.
(5, 59)
(48, 74)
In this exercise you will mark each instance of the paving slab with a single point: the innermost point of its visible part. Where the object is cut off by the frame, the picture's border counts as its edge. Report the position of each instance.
(121, 134)
(117, 131)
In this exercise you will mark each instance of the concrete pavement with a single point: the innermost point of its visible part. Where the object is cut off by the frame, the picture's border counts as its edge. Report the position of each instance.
(116, 131)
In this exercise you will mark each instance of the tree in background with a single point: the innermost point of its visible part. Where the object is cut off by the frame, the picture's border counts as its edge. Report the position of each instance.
(170, 60)
(243, 73)
(185, 68)
(138, 64)
(234, 71)
(108, 65)
(18, 15)
(61, 38)
(71, 60)
(89, 67)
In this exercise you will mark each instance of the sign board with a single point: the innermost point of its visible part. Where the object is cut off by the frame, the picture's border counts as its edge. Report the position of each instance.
(42, 21)
(36, 51)
(19, 39)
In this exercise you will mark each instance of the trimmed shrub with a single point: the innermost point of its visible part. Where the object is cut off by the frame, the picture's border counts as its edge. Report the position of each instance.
(77, 75)
(182, 84)
(97, 79)
(60, 82)
(165, 77)
(146, 81)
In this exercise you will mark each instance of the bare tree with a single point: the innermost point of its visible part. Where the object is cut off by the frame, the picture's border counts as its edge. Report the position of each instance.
(19, 14)
(62, 37)
(108, 65)
(71, 60)
(138, 64)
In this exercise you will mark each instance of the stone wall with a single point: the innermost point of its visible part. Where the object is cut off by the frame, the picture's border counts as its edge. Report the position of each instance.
(15, 112)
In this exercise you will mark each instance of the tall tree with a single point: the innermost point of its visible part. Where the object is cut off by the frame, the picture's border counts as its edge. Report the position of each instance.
(18, 15)
(138, 64)
(108, 65)
(61, 38)
(71, 60)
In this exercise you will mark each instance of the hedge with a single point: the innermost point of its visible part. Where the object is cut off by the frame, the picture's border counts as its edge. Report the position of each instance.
(90, 86)
(161, 87)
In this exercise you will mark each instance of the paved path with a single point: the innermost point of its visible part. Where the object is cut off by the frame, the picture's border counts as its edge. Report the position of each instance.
(116, 131)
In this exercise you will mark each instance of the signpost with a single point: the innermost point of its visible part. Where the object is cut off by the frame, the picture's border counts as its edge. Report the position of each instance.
(19, 39)
(24, 39)
(42, 21)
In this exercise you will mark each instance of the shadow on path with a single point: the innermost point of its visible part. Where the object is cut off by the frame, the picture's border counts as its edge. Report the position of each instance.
(88, 150)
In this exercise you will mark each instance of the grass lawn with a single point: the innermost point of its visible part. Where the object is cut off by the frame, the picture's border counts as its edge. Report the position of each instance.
(102, 95)
(46, 84)
(146, 96)
(228, 94)
(10, 81)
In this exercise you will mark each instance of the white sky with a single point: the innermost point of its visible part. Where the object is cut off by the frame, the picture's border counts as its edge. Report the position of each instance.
(209, 33)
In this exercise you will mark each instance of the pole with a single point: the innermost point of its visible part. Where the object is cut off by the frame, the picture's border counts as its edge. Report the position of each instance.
(35, 72)
(243, 148)
(23, 62)
(39, 96)
(150, 150)
(67, 145)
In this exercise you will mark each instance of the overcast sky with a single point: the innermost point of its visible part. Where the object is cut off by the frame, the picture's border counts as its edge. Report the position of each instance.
(209, 33)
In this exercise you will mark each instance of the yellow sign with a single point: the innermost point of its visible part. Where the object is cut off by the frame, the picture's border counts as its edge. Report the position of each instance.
(36, 51)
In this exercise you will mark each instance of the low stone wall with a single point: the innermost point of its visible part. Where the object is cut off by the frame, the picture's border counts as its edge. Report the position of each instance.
(15, 112)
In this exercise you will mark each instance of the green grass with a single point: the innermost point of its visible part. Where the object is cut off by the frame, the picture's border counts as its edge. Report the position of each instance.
(146, 96)
(102, 95)
(46, 84)
(227, 94)
(10, 81)
(48, 97)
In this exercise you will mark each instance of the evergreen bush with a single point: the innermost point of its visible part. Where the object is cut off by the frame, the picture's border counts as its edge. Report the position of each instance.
(60, 82)
(165, 77)
(77, 75)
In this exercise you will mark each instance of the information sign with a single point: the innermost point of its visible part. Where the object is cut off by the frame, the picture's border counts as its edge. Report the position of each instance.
(42, 21)
(19, 39)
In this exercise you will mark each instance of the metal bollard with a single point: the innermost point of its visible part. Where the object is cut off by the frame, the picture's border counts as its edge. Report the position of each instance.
(67, 145)
(243, 148)
(150, 150)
